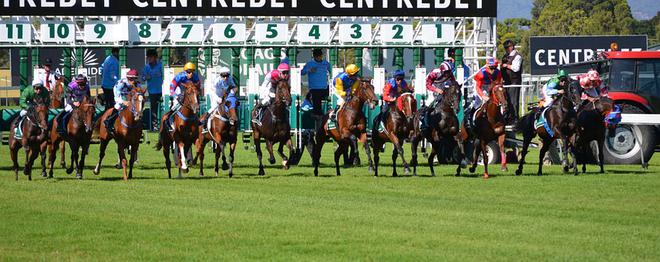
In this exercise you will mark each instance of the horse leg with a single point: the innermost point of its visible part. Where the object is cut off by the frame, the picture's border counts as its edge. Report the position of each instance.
(44, 147)
(218, 153)
(338, 153)
(544, 149)
(183, 163)
(232, 148)
(62, 158)
(121, 152)
(367, 150)
(461, 155)
(134, 154)
(475, 155)
(83, 154)
(74, 156)
(34, 153)
(13, 152)
(280, 152)
(52, 154)
(355, 153)
(413, 154)
(200, 144)
(600, 154)
(225, 165)
(526, 141)
(377, 145)
(500, 143)
(168, 163)
(431, 157)
(395, 154)
(269, 147)
(484, 152)
(102, 147)
(257, 148)
(571, 148)
(316, 152)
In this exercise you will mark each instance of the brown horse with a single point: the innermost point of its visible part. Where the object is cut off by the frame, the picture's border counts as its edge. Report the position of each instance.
(127, 131)
(78, 134)
(489, 125)
(185, 131)
(444, 127)
(57, 102)
(562, 121)
(399, 125)
(35, 129)
(350, 122)
(275, 127)
(223, 129)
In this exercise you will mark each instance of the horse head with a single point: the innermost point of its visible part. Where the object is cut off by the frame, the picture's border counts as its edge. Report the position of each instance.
(366, 93)
(86, 112)
(283, 93)
(498, 96)
(190, 97)
(408, 104)
(137, 102)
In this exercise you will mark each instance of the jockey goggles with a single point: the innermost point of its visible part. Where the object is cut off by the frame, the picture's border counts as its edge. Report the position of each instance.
(224, 75)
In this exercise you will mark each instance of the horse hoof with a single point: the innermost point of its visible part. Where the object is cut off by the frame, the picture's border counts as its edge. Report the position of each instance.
(44, 174)
(184, 170)
(486, 176)
(406, 171)
(371, 169)
(79, 176)
(472, 169)
(505, 169)
(69, 171)
(271, 161)
(63, 165)
(463, 164)
(118, 166)
(539, 174)
(231, 174)
(202, 174)
(262, 172)
(395, 175)
(225, 166)
(433, 174)
(518, 172)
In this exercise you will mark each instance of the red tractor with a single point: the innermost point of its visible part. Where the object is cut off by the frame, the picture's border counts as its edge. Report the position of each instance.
(633, 81)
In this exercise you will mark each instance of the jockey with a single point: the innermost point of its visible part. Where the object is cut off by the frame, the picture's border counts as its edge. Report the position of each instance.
(76, 92)
(483, 79)
(268, 88)
(224, 84)
(436, 81)
(31, 96)
(345, 83)
(394, 87)
(590, 83)
(177, 90)
(556, 85)
(121, 91)
(49, 80)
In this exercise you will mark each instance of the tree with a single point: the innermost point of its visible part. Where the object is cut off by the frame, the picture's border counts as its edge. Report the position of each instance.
(577, 17)
(650, 28)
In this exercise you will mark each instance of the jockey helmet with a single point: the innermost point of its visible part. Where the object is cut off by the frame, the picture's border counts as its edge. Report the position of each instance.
(224, 71)
(399, 74)
(190, 66)
(352, 69)
(492, 62)
(132, 74)
(80, 78)
(37, 83)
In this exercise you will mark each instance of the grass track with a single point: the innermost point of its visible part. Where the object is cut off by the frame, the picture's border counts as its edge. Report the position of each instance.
(291, 215)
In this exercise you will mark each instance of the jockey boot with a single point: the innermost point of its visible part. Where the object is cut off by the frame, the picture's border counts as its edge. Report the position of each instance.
(203, 122)
(110, 121)
(469, 117)
(61, 123)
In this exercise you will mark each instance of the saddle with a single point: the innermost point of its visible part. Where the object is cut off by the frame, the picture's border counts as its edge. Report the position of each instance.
(542, 122)
(18, 131)
(62, 121)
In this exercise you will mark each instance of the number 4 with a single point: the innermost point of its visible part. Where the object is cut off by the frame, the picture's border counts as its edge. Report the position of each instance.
(315, 32)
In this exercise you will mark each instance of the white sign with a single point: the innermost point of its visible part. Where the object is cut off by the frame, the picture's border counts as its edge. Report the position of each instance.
(64, 32)
(438, 33)
(379, 80)
(168, 73)
(296, 81)
(100, 32)
(272, 32)
(355, 33)
(253, 81)
(144, 32)
(313, 33)
(15, 32)
(396, 33)
(187, 32)
(229, 32)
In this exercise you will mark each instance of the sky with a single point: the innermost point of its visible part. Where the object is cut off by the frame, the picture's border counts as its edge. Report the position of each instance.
(641, 9)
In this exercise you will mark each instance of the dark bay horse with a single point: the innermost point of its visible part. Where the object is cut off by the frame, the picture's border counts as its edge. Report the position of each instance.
(592, 124)
(223, 129)
(78, 134)
(562, 120)
(127, 132)
(489, 125)
(186, 128)
(443, 127)
(399, 125)
(275, 127)
(57, 102)
(350, 122)
(35, 139)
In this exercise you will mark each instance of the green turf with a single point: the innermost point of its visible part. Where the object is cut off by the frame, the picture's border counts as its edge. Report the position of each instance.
(292, 215)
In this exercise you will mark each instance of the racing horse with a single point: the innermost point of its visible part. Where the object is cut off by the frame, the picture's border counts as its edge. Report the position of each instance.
(275, 128)
(443, 127)
(489, 125)
(399, 125)
(593, 121)
(78, 135)
(223, 129)
(34, 128)
(561, 123)
(185, 128)
(57, 102)
(127, 132)
(350, 122)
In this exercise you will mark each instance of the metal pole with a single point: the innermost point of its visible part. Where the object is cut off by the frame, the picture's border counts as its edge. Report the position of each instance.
(66, 70)
(277, 56)
(236, 64)
(418, 55)
(439, 55)
(165, 56)
(376, 56)
(122, 57)
(208, 60)
(334, 56)
(398, 58)
(35, 57)
(23, 68)
(193, 55)
(359, 59)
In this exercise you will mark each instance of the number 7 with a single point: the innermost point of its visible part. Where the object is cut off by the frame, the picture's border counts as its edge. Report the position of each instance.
(188, 28)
